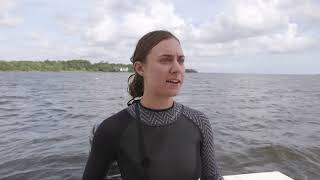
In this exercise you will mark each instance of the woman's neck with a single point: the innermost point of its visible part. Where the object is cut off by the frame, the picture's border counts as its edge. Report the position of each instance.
(156, 103)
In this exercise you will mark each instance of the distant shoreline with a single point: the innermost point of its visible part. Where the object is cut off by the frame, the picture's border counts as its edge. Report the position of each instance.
(66, 66)
(86, 71)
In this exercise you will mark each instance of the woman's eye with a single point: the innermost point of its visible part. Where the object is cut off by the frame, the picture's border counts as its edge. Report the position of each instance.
(169, 60)
(165, 60)
(181, 60)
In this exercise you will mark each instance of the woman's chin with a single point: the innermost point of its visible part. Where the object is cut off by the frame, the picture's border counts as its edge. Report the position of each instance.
(173, 93)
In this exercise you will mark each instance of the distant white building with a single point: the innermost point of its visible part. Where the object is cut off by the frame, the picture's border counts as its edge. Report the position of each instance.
(126, 69)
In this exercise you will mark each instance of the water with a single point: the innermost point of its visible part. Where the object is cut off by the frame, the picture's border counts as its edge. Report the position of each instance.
(261, 122)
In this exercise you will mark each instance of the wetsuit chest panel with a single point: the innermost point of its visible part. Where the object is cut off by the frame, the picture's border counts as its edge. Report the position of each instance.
(173, 150)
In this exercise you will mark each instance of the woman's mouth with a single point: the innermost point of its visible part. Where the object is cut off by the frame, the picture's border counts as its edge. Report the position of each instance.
(173, 81)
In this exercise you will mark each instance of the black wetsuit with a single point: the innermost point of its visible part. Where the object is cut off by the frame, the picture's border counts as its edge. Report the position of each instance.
(178, 142)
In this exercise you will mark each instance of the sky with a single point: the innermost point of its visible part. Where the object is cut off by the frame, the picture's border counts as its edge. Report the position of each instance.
(229, 36)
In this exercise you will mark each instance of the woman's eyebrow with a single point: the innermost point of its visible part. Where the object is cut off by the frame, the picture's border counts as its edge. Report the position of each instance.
(170, 55)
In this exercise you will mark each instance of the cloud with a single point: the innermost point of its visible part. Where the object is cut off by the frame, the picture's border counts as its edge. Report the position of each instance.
(117, 25)
(6, 19)
(71, 25)
(255, 26)
(241, 19)
(139, 18)
(289, 41)
(39, 40)
(301, 9)
(243, 27)
(104, 31)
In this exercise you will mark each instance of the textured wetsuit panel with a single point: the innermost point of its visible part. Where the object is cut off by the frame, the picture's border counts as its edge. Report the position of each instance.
(174, 150)
(209, 166)
(105, 146)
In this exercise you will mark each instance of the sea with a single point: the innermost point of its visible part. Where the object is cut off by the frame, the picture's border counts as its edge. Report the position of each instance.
(260, 123)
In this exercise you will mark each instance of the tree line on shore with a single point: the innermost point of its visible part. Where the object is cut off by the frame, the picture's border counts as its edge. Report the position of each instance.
(69, 65)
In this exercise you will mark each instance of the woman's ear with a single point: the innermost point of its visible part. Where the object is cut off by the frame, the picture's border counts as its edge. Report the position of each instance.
(138, 67)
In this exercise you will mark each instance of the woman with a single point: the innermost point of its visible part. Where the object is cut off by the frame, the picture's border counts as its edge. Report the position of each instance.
(155, 138)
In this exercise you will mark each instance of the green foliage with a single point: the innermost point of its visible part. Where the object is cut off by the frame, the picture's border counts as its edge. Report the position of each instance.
(71, 65)
(191, 71)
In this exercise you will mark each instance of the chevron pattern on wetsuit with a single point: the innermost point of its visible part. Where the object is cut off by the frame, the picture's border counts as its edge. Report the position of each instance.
(157, 117)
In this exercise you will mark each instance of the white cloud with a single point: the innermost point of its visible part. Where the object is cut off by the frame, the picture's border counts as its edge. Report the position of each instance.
(6, 19)
(304, 9)
(71, 25)
(138, 18)
(254, 26)
(243, 27)
(241, 19)
(39, 40)
(117, 25)
(105, 31)
(289, 41)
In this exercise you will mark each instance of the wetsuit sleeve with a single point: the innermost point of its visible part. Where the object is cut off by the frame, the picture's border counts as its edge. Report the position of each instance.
(209, 167)
(102, 154)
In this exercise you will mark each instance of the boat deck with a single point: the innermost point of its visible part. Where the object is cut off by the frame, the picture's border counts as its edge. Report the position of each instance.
(275, 175)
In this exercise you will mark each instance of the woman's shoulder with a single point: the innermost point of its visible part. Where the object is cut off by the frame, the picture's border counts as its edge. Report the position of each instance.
(114, 123)
(118, 118)
(199, 118)
(193, 114)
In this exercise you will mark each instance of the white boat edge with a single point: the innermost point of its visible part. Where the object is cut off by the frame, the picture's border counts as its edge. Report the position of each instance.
(274, 175)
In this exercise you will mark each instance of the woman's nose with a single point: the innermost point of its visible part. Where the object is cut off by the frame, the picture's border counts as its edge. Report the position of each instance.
(177, 67)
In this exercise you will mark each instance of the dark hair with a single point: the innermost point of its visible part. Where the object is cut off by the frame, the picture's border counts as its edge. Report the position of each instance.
(143, 47)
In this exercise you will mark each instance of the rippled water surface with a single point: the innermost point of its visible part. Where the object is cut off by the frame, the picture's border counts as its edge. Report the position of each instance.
(261, 122)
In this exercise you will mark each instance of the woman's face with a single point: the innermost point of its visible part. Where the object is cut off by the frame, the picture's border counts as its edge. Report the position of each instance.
(164, 69)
